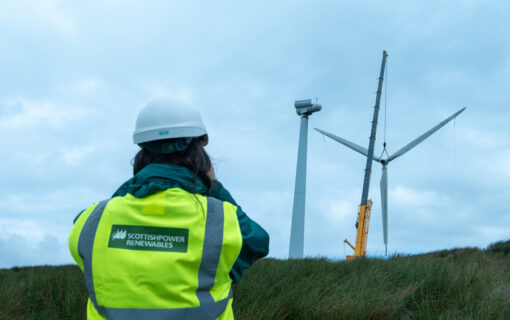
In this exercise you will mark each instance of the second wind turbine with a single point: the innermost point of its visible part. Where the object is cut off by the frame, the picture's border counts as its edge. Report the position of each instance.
(366, 204)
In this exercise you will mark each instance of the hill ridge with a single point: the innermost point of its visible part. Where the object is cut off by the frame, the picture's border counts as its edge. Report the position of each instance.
(447, 284)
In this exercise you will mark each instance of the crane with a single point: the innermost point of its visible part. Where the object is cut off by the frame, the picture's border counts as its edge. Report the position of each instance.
(363, 219)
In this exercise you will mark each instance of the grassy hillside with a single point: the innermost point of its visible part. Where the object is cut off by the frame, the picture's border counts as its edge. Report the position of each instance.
(452, 284)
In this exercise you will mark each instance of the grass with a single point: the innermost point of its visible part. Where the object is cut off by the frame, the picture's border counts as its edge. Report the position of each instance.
(451, 284)
(42, 293)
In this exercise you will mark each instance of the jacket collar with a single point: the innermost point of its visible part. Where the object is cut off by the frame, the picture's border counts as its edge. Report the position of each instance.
(157, 177)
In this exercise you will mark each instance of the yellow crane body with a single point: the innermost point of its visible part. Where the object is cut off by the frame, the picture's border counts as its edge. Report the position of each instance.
(363, 222)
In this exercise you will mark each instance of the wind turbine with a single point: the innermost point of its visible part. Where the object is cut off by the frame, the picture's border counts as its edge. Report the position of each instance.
(304, 108)
(384, 163)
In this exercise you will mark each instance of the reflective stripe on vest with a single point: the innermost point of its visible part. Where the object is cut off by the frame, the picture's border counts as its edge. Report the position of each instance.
(213, 238)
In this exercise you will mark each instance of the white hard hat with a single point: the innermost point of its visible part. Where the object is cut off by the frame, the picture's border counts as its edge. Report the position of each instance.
(164, 119)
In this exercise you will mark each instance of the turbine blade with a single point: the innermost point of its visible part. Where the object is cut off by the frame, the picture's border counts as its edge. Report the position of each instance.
(424, 136)
(348, 144)
(384, 203)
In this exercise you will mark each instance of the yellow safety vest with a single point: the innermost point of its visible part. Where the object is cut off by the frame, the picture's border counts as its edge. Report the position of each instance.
(165, 256)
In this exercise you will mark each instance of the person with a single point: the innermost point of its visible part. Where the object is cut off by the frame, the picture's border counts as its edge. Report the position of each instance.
(171, 240)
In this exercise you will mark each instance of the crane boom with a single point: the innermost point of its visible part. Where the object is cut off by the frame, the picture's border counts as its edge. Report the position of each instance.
(363, 220)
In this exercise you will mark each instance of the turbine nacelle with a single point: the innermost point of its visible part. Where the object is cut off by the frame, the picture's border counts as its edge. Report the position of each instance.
(306, 107)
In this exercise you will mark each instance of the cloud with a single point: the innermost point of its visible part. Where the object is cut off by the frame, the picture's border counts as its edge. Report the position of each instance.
(24, 115)
(75, 75)
(34, 227)
(494, 232)
(155, 90)
(74, 155)
(84, 86)
(503, 162)
(403, 196)
(39, 16)
(484, 138)
(51, 205)
(23, 227)
(52, 12)
(17, 250)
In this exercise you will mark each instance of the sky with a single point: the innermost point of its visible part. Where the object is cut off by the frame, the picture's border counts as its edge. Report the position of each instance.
(74, 75)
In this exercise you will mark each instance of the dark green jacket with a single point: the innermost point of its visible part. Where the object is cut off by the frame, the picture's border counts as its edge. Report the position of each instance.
(156, 177)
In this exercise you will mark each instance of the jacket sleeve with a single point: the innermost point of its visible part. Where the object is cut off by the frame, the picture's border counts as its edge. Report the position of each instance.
(74, 236)
(255, 238)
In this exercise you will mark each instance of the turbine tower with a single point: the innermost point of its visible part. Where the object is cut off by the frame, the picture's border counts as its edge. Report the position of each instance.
(384, 163)
(304, 108)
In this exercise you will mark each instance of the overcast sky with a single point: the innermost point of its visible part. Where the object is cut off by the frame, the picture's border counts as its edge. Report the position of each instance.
(75, 74)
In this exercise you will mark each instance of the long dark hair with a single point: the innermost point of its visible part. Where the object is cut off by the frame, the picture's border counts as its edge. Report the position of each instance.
(194, 157)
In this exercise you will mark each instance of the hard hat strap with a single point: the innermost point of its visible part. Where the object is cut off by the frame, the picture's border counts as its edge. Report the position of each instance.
(167, 146)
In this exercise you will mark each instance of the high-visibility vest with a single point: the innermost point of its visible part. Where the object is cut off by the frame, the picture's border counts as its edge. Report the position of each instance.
(165, 256)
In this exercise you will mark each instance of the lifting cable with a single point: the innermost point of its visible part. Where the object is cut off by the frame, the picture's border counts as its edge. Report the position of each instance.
(450, 222)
